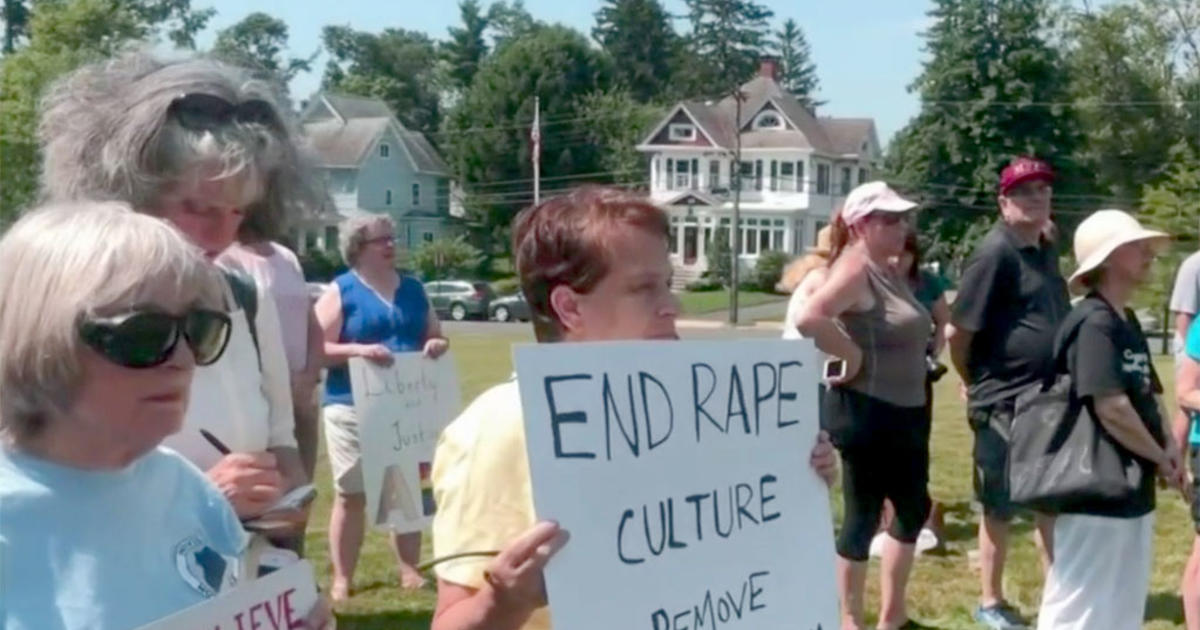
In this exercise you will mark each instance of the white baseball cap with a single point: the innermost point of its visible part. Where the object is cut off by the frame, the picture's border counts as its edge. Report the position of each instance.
(871, 197)
(1102, 233)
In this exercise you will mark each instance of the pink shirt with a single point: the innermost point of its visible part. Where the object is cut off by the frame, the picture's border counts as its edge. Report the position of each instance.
(279, 273)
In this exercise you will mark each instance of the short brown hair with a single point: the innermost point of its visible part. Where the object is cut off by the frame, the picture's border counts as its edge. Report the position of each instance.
(564, 240)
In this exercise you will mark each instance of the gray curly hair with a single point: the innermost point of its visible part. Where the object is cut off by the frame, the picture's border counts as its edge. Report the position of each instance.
(106, 135)
(353, 234)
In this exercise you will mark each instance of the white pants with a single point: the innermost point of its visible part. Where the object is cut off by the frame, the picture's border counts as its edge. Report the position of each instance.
(1101, 573)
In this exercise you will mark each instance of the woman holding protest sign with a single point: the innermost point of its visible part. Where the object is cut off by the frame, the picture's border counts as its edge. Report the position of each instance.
(203, 146)
(105, 529)
(866, 317)
(1102, 547)
(370, 312)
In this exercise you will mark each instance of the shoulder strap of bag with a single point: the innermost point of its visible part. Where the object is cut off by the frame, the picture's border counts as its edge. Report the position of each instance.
(1072, 324)
(245, 294)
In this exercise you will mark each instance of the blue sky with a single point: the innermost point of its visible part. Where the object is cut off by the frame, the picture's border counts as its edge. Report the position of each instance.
(867, 52)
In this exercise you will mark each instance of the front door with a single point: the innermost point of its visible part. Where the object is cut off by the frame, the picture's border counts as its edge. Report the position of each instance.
(691, 240)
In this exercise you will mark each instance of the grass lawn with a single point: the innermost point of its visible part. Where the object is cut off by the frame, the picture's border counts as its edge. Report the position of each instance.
(943, 589)
(703, 302)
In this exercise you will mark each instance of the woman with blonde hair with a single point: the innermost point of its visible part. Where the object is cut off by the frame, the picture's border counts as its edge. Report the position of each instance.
(100, 527)
(203, 146)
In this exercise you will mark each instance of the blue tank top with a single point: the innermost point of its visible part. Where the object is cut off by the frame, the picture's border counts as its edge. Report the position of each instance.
(367, 319)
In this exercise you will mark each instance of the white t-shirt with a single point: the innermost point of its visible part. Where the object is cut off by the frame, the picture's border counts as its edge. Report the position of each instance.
(247, 408)
(1185, 297)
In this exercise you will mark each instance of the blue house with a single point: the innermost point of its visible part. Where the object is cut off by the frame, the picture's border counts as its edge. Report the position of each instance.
(372, 164)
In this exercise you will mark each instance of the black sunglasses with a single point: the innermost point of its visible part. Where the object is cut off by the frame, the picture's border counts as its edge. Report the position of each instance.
(145, 339)
(205, 112)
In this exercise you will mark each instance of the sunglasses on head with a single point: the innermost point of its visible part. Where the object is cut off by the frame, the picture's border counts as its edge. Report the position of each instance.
(145, 339)
(204, 112)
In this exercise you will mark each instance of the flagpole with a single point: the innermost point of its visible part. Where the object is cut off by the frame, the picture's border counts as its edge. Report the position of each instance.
(537, 151)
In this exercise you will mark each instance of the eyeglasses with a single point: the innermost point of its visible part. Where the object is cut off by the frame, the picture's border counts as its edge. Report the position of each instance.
(205, 112)
(145, 339)
(381, 240)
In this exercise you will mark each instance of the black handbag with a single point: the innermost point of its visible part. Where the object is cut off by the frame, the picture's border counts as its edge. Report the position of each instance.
(1060, 458)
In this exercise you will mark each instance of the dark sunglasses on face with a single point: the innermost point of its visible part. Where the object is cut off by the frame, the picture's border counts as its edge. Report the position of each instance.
(205, 112)
(145, 339)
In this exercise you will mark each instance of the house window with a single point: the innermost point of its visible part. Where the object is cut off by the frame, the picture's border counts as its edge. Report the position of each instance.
(764, 240)
(387, 197)
(427, 237)
(385, 150)
(774, 176)
(823, 179)
(670, 174)
(758, 175)
(801, 185)
(862, 175)
(787, 176)
(682, 132)
(310, 240)
(777, 240)
(331, 237)
(846, 181)
(746, 173)
(768, 120)
(416, 194)
(674, 240)
(750, 238)
(714, 174)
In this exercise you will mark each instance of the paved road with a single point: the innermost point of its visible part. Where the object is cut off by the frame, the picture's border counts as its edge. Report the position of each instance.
(524, 330)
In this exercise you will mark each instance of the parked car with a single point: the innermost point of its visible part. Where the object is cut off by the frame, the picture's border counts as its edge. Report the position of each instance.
(460, 299)
(511, 308)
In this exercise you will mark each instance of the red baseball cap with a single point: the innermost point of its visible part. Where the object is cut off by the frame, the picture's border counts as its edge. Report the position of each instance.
(1024, 169)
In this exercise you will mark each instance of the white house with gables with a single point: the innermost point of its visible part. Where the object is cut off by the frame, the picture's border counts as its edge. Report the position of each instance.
(795, 170)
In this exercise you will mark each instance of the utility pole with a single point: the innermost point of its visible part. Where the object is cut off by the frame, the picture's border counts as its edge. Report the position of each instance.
(735, 232)
(536, 136)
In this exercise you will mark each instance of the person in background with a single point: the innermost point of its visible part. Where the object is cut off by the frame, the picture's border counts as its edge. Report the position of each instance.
(202, 146)
(1010, 301)
(1185, 303)
(371, 312)
(865, 315)
(100, 527)
(803, 277)
(1100, 576)
(277, 269)
(594, 266)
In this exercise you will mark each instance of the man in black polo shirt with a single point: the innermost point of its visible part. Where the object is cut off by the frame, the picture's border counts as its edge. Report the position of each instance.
(1011, 300)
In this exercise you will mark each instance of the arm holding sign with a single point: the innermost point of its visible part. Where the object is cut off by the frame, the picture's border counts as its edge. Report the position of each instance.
(513, 586)
(435, 345)
(329, 314)
(845, 287)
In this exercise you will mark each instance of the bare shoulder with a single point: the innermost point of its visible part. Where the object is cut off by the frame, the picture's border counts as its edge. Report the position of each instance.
(849, 270)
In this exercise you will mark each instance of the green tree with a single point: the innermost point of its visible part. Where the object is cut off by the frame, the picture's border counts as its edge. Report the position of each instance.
(616, 123)
(798, 73)
(486, 138)
(727, 39)
(1121, 64)
(62, 35)
(466, 49)
(445, 258)
(638, 35)
(1173, 206)
(397, 66)
(509, 22)
(992, 89)
(259, 42)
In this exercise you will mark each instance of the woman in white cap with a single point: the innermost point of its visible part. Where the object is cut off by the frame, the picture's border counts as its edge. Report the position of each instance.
(1102, 551)
(866, 316)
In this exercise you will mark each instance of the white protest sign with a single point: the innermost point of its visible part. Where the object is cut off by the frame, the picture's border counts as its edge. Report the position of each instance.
(681, 471)
(279, 601)
(401, 409)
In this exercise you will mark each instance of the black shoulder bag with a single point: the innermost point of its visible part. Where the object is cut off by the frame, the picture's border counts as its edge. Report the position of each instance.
(1060, 458)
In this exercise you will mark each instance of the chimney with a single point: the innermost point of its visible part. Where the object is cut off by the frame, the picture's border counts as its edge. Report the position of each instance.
(768, 67)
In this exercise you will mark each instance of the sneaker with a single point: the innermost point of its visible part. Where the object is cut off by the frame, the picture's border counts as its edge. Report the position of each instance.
(1000, 617)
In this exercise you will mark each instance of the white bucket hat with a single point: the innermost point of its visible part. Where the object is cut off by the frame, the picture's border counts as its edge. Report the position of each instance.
(871, 197)
(1102, 233)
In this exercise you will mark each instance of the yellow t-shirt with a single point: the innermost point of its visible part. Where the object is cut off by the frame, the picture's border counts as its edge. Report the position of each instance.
(481, 487)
